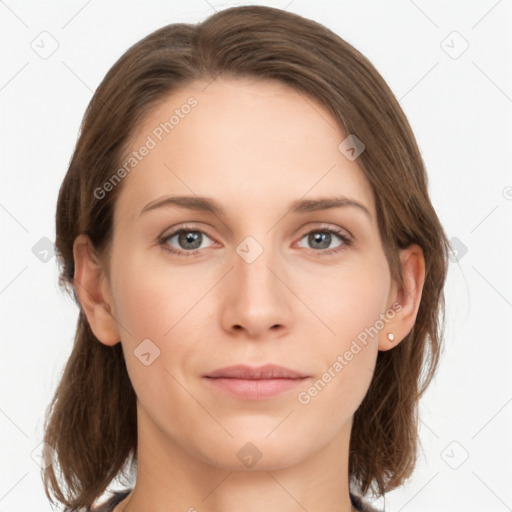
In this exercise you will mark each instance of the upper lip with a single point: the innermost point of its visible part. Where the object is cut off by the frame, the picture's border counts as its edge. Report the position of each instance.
(268, 371)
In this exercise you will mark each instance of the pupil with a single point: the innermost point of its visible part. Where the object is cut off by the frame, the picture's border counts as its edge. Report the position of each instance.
(189, 237)
(321, 237)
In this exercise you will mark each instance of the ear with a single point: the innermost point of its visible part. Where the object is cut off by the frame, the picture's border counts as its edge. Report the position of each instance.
(405, 300)
(93, 289)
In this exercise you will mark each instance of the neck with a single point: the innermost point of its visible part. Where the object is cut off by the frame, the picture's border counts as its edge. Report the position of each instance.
(168, 477)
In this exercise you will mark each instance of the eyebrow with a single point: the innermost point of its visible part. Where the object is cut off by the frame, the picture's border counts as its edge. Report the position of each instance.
(206, 204)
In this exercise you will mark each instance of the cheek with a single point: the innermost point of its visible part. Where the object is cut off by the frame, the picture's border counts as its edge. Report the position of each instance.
(144, 308)
(352, 305)
(152, 304)
(156, 302)
(149, 298)
(346, 356)
(349, 299)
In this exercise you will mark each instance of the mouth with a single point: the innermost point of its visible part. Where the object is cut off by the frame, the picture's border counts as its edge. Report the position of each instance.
(255, 383)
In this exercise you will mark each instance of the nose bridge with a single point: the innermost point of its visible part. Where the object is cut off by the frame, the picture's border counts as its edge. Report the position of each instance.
(252, 263)
(257, 299)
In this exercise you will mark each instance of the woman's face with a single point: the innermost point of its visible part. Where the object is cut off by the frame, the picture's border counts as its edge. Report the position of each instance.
(261, 274)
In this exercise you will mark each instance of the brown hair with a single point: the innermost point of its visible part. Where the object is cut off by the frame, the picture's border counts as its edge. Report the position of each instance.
(91, 421)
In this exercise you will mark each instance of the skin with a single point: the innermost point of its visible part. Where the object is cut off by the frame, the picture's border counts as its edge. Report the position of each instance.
(253, 146)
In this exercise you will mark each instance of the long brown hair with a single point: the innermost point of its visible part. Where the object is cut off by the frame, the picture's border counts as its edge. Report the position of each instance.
(91, 421)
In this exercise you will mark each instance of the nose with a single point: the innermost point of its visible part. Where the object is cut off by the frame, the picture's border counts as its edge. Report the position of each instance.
(256, 300)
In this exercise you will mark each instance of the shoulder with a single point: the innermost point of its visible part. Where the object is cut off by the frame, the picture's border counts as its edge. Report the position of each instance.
(109, 505)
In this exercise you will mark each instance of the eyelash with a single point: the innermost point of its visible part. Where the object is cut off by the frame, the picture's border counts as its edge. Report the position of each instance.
(323, 252)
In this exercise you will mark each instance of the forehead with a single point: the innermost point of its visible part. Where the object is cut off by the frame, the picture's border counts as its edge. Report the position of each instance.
(241, 141)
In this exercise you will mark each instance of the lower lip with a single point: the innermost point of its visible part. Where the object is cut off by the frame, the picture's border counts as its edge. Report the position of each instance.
(255, 389)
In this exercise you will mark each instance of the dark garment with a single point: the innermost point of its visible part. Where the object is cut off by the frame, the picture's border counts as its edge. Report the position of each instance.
(118, 496)
(109, 505)
(361, 505)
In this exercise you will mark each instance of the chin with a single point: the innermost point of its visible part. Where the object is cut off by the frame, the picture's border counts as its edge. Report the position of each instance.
(251, 451)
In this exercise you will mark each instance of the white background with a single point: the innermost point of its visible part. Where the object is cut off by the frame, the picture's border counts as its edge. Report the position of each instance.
(460, 110)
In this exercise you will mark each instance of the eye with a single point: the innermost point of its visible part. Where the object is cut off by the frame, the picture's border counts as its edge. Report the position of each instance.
(188, 239)
(323, 238)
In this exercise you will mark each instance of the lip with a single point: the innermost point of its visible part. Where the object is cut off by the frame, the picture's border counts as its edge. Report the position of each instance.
(255, 383)
(267, 371)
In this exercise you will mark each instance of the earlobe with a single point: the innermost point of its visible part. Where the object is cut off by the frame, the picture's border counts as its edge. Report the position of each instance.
(406, 296)
(92, 287)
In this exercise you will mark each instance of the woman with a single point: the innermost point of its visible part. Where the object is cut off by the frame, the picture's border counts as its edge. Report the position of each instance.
(246, 227)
